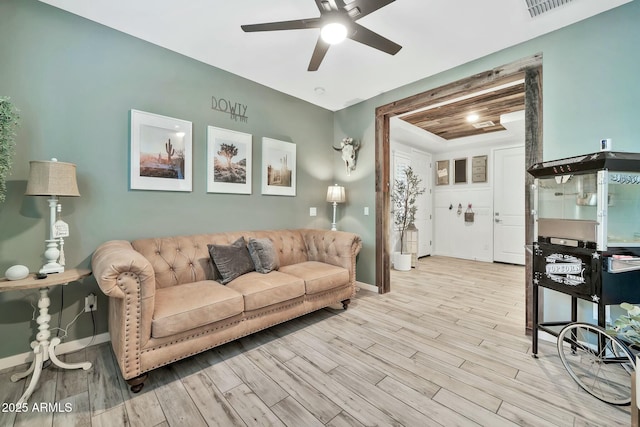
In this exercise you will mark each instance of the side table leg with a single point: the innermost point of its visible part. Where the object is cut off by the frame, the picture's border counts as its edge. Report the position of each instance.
(18, 376)
(37, 364)
(60, 363)
(44, 349)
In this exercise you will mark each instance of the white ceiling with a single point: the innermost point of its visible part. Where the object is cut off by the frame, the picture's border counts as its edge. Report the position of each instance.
(436, 35)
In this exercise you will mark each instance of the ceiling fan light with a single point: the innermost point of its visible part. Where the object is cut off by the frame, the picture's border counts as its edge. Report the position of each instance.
(333, 33)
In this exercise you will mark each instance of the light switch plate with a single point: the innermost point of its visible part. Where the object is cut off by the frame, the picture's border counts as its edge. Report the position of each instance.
(366, 210)
(313, 211)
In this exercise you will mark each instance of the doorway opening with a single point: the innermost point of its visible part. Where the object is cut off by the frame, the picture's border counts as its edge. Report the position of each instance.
(530, 69)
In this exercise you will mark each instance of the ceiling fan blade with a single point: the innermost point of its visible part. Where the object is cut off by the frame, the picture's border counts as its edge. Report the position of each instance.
(296, 24)
(365, 36)
(318, 54)
(323, 6)
(360, 8)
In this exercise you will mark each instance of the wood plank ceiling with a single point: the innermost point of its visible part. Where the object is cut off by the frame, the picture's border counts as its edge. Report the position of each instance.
(450, 121)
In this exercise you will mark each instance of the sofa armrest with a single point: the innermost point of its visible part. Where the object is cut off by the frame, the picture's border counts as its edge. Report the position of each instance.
(128, 278)
(333, 247)
(114, 259)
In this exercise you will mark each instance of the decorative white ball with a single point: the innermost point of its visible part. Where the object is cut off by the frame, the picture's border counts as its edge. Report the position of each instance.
(16, 272)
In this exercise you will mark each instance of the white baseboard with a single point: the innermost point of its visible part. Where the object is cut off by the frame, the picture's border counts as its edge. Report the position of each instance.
(545, 336)
(63, 348)
(367, 287)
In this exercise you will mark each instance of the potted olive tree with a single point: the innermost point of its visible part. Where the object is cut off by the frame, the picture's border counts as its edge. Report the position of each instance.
(403, 201)
(8, 122)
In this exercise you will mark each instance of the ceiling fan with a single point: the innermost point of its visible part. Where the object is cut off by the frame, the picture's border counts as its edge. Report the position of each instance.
(337, 21)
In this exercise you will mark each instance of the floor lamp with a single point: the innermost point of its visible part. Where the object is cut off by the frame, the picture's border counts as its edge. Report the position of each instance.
(335, 195)
(54, 179)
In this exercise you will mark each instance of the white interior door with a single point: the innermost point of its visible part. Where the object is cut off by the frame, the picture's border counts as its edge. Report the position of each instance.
(508, 205)
(421, 165)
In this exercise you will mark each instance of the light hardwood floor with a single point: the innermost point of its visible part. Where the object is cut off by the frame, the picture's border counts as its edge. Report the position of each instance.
(445, 347)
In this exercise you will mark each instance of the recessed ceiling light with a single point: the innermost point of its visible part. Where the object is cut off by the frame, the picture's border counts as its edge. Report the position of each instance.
(473, 117)
(333, 33)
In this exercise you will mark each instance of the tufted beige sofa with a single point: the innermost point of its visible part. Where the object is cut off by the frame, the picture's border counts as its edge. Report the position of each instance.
(165, 303)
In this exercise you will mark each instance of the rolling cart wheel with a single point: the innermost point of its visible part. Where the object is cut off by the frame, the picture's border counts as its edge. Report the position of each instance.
(599, 363)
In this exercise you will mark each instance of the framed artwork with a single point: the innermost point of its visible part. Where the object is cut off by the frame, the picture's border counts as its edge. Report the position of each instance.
(161, 153)
(442, 172)
(228, 161)
(479, 169)
(278, 167)
(460, 171)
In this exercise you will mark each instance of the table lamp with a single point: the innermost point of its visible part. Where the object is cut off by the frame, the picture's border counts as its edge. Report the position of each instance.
(335, 195)
(54, 179)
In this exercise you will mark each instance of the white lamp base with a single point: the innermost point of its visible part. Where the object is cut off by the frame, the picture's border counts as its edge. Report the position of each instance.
(51, 255)
(334, 224)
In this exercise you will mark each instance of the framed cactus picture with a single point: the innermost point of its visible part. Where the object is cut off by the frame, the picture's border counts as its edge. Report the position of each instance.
(161, 152)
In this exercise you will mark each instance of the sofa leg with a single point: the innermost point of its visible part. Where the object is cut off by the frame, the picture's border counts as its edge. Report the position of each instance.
(345, 303)
(138, 382)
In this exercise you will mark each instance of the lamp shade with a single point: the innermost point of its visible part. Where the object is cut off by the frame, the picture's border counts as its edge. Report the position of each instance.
(335, 193)
(52, 178)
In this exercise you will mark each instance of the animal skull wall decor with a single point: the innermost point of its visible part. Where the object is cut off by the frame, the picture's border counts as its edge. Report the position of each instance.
(349, 149)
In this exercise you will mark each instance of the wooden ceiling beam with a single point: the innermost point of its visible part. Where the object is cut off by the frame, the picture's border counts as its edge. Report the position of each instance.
(450, 121)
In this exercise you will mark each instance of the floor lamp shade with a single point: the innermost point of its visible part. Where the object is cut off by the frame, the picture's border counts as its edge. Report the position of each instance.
(52, 178)
(335, 193)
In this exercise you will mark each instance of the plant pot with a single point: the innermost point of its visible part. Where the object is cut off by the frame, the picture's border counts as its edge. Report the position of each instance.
(402, 262)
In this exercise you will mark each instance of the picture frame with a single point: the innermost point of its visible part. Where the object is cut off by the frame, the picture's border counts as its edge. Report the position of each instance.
(161, 153)
(460, 171)
(223, 174)
(278, 167)
(442, 172)
(479, 169)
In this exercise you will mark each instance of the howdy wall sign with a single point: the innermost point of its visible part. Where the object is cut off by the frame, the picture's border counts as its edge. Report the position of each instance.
(236, 110)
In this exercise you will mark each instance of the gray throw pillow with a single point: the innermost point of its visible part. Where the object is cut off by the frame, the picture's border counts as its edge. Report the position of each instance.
(264, 256)
(231, 261)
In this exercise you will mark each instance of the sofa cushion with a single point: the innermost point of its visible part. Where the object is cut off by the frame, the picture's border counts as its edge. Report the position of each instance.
(262, 290)
(264, 256)
(183, 307)
(231, 260)
(318, 276)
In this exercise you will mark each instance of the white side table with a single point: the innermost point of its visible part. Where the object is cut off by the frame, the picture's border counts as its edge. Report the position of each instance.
(43, 349)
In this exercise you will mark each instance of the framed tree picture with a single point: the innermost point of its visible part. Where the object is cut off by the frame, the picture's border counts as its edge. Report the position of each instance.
(161, 153)
(278, 167)
(229, 161)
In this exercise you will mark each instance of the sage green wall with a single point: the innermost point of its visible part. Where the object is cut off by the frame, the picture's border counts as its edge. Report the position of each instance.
(75, 82)
(591, 90)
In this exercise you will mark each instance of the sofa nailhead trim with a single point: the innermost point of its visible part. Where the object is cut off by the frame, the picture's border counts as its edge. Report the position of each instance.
(127, 348)
(227, 340)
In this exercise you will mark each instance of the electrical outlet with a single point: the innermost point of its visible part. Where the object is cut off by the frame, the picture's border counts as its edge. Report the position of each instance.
(90, 303)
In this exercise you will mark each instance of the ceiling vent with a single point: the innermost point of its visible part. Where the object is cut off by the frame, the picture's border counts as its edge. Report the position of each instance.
(481, 125)
(538, 7)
